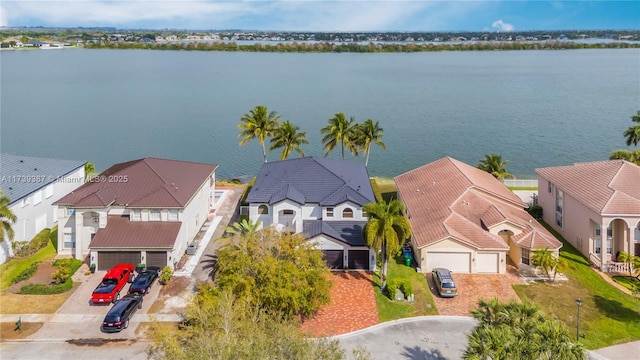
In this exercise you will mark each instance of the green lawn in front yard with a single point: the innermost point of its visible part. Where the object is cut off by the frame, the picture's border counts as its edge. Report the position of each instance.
(607, 315)
(390, 309)
(10, 269)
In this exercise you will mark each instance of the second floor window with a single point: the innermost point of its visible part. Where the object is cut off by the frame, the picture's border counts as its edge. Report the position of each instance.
(136, 215)
(173, 214)
(347, 213)
(154, 215)
(263, 210)
(329, 212)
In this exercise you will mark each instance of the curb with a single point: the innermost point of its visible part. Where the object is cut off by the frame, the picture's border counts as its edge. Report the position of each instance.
(403, 321)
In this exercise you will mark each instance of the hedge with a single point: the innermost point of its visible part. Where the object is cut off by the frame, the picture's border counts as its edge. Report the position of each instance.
(40, 289)
(26, 273)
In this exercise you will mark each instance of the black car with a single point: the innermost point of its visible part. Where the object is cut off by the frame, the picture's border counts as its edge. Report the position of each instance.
(119, 315)
(142, 282)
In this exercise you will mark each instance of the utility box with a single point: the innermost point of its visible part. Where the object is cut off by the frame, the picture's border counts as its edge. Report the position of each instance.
(191, 249)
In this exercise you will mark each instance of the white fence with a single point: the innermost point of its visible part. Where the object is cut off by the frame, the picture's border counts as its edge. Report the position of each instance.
(528, 183)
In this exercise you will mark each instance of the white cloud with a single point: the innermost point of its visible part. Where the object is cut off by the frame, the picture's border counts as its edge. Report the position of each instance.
(501, 26)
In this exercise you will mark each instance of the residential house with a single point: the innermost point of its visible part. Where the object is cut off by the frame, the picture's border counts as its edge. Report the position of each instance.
(141, 211)
(595, 206)
(320, 198)
(465, 220)
(32, 185)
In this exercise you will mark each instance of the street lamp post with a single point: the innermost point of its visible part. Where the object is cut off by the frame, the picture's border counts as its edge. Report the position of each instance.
(579, 303)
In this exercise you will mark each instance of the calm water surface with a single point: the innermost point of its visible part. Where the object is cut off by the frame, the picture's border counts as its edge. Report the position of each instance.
(536, 108)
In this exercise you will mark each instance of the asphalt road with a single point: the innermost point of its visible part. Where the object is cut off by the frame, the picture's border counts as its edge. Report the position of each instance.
(60, 350)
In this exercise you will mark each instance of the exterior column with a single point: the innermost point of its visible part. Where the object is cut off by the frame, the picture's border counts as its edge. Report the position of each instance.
(79, 217)
(603, 246)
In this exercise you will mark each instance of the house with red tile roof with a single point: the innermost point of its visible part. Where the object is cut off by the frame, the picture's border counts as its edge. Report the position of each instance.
(141, 211)
(465, 220)
(320, 198)
(595, 206)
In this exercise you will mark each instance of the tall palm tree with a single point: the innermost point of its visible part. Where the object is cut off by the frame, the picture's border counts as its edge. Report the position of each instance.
(386, 230)
(287, 137)
(259, 124)
(7, 218)
(633, 133)
(370, 132)
(340, 131)
(494, 165)
(545, 259)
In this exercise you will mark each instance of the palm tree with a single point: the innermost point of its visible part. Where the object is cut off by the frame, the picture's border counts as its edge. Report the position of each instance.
(386, 230)
(633, 133)
(259, 124)
(545, 259)
(7, 218)
(286, 136)
(632, 261)
(89, 170)
(494, 165)
(630, 156)
(244, 228)
(370, 132)
(340, 131)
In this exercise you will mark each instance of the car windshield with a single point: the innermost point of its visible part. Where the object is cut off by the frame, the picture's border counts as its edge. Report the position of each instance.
(140, 280)
(110, 282)
(448, 285)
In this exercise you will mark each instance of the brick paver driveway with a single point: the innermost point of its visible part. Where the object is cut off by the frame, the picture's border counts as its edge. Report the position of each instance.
(352, 307)
(473, 287)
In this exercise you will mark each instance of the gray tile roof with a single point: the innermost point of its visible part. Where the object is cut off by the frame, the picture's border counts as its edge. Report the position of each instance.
(23, 175)
(312, 180)
(349, 232)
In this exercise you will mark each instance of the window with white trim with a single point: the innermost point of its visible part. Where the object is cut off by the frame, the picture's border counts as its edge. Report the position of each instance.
(347, 213)
(48, 191)
(637, 233)
(609, 240)
(526, 256)
(597, 237)
(71, 211)
(329, 212)
(23, 202)
(287, 212)
(559, 207)
(37, 197)
(263, 210)
(69, 241)
(154, 215)
(173, 214)
(136, 214)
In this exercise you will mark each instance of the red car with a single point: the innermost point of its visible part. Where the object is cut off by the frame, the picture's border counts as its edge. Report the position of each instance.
(112, 283)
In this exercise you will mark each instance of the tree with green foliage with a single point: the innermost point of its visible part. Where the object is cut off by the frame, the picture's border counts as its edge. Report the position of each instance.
(386, 230)
(518, 330)
(340, 131)
(245, 227)
(545, 259)
(259, 124)
(280, 271)
(494, 165)
(7, 219)
(368, 133)
(221, 325)
(633, 132)
(89, 170)
(630, 156)
(287, 137)
(632, 261)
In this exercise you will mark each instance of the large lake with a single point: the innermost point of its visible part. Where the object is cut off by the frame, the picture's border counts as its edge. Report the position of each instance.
(536, 108)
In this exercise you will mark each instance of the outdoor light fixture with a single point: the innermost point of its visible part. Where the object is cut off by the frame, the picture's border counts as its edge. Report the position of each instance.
(579, 303)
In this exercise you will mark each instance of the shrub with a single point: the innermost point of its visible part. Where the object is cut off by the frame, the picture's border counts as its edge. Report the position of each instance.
(61, 275)
(535, 211)
(72, 264)
(40, 289)
(392, 286)
(165, 275)
(26, 273)
(28, 248)
(407, 288)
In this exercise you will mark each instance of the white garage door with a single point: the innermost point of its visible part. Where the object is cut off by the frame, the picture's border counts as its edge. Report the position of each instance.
(487, 263)
(456, 262)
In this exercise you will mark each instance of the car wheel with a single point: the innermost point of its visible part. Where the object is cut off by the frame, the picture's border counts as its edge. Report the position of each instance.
(126, 324)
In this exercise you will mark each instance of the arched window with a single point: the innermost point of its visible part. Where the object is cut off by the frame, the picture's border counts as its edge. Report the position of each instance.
(347, 213)
(263, 210)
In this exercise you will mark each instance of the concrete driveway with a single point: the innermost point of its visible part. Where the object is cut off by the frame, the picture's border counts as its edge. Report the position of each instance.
(419, 338)
(473, 287)
(77, 318)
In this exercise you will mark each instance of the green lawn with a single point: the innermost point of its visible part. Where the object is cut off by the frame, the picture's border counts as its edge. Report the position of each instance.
(14, 266)
(391, 310)
(608, 316)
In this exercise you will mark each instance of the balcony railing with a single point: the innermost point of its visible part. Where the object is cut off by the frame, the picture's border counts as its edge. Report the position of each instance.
(617, 267)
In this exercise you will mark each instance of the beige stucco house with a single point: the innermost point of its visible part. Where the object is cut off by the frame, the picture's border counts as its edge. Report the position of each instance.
(465, 220)
(595, 206)
(141, 211)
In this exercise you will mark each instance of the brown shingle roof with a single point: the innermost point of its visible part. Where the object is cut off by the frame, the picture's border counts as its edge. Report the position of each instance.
(448, 198)
(148, 182)
(122, 233)
(607, 187)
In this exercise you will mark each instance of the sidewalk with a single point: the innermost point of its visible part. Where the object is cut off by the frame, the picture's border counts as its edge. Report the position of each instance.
(71, 318)
(630, 350)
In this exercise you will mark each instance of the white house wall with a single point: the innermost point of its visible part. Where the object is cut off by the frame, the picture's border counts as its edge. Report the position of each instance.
(33, 218)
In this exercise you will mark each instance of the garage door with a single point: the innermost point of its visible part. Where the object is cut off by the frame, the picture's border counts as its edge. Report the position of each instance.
(333, 258)
(157, 258)
(108, 259)
(456, 262)
(487, 263)
(359, 259)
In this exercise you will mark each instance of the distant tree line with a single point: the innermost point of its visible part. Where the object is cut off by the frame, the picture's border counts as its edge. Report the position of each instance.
(371, 47)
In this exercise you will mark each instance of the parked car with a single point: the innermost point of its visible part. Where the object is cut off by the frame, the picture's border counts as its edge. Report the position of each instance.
(142, 283)
(119, 315)
(112, 283)
(444, 283)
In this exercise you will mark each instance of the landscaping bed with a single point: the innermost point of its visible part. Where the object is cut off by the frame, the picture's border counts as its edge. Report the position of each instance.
(630, 282)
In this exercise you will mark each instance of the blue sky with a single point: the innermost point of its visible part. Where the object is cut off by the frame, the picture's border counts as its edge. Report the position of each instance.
(323, 15)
